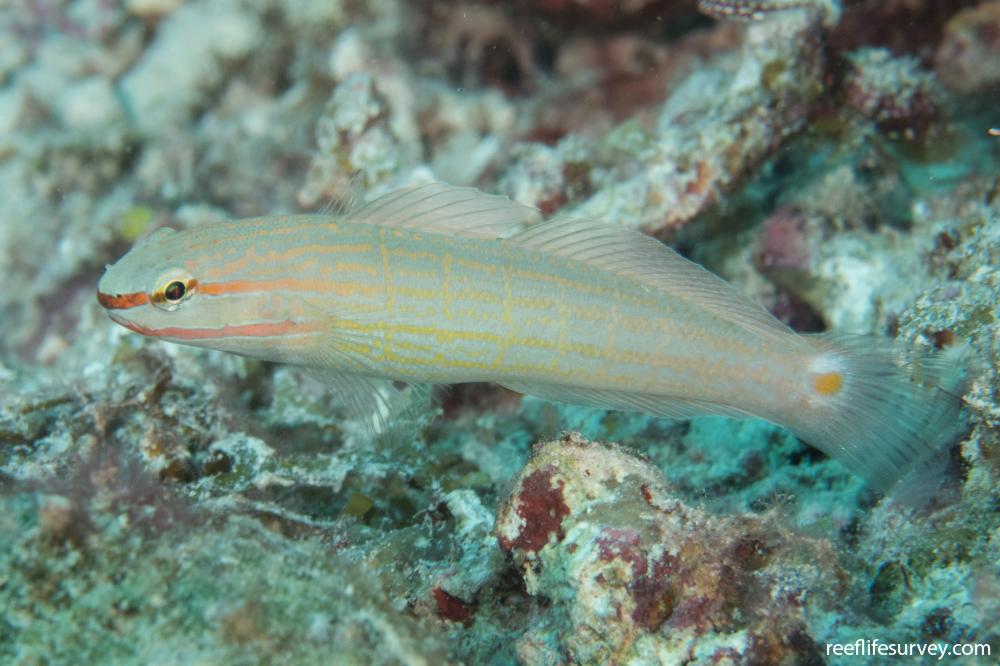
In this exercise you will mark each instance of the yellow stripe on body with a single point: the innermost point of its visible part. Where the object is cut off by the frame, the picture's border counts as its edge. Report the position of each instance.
(481, 338)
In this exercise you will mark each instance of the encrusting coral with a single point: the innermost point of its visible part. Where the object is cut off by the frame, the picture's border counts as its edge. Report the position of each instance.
(635, 574)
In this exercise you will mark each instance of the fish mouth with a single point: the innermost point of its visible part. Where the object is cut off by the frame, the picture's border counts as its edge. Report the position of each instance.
(119, 319)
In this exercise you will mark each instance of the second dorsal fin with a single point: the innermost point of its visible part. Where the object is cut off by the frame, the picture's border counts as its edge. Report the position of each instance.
(639, 257)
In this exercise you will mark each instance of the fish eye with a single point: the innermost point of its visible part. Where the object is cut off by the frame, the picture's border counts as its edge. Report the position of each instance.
(172, 288)
(175, 291)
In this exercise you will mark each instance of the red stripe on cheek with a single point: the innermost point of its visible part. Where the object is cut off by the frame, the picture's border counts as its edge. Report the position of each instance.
(122, 301)
(234, 331)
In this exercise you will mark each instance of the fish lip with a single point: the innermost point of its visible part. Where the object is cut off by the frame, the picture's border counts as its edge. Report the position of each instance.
(130, 325)
(118, 318)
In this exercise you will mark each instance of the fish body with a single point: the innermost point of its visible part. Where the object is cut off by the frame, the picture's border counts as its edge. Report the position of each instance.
(437, 284)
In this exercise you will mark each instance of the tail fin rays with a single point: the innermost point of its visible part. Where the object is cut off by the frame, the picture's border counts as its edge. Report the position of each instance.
(888, 418)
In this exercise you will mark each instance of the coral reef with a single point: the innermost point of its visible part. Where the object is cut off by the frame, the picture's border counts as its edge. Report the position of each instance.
(163, 504)
(892, 92)
(711, 131)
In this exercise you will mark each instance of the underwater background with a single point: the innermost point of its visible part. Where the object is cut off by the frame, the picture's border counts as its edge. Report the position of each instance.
(839, 163)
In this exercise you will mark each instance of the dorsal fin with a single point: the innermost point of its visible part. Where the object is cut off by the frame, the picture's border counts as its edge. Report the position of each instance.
(465, 211)
(445, 209)
(637, 256)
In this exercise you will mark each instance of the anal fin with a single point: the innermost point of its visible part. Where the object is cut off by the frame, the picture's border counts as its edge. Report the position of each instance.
(665, 406)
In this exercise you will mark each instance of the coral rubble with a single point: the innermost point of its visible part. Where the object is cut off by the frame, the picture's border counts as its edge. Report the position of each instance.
(636, 575)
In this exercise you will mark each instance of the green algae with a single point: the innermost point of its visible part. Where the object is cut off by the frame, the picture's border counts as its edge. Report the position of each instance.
(135, 222)
(358, 504)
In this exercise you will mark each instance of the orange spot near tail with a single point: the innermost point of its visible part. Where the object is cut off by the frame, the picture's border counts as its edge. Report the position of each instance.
(828, 383)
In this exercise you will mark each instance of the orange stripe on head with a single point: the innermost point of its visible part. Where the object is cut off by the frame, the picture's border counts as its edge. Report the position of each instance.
(290, 284)
(122, 301)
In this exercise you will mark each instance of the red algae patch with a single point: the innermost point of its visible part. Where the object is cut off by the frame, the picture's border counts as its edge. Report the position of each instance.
(541, 509)
(451, 608)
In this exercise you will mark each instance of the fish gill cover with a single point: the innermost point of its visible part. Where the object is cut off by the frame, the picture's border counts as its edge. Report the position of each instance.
(836, 163)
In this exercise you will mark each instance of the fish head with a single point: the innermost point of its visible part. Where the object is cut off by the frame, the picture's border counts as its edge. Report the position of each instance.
(154, 290)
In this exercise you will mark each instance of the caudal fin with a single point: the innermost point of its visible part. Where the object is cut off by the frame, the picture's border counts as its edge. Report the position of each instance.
(888, 416)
